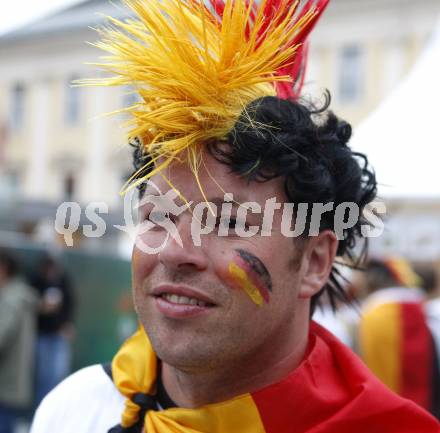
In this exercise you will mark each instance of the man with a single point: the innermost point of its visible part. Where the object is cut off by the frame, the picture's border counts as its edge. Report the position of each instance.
(18, 305)
(227, 295)
(55, 324)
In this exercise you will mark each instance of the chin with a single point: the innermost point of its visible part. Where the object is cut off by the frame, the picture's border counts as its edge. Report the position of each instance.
(186, 358)
(186, 352)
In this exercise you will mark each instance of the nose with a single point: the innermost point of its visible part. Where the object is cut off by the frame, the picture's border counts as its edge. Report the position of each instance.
(186, 256)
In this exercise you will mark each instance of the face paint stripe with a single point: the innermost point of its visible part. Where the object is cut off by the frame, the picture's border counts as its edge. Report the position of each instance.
(253, 277)
(257, 267)
(241, 278)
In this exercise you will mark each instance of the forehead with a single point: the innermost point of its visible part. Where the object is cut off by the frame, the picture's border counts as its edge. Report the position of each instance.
(216, 179)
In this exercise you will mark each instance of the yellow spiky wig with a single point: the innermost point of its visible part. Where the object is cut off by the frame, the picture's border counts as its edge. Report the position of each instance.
(197, 65)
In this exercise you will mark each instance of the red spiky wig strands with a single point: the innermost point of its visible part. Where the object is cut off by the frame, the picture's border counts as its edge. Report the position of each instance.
(196, 67)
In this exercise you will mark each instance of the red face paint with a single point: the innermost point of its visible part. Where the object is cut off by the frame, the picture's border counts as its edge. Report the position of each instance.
(247, 272)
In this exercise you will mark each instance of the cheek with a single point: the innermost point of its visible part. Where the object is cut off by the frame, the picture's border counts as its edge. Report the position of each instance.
(238, 273)
(142, 265)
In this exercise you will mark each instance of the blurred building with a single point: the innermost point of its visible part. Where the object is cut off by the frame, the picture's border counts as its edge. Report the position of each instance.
(54, 147)
(362, 49)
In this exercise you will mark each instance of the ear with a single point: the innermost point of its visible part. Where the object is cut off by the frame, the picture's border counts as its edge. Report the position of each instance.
(318, 257)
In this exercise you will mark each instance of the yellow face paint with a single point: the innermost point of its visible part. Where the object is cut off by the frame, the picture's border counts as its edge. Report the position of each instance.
(242, 280)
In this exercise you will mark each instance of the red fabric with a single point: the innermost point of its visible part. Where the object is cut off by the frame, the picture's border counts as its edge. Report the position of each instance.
(297, 68)
(332, 391)
(297, 64)
(417, 355)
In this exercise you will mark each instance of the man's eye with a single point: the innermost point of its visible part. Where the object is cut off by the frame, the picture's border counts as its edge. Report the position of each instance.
(231, 223)
(158, 217)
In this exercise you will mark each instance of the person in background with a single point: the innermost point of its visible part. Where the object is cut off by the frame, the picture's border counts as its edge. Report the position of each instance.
(55, 325)
(394, 338)
(18, 310)
(428, 281)
(429, 284)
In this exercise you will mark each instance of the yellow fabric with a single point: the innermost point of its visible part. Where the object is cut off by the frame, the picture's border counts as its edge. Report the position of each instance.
(129, 378)
(403, 272)
(134, 370)
(380, 343)
(242, 280)
(195, 73)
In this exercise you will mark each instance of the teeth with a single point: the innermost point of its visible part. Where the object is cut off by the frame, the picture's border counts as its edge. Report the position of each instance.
(176, 299)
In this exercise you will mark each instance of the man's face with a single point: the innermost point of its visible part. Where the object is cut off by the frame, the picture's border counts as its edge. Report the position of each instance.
(230, 322)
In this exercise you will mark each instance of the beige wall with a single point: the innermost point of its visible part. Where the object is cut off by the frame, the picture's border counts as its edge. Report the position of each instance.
(46, 147)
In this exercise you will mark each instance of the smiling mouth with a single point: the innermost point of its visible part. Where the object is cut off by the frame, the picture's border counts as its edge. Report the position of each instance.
(183, 300)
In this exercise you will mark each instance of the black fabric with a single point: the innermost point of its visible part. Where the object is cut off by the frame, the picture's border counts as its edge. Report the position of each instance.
(145, 402)
(107, 367)
(137, 428)
(435, 401)
(117, 429)
(54, 321)
(162, 396)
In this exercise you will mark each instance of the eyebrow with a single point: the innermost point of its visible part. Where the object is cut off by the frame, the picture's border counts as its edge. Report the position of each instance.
(218, 202)
(237, 199)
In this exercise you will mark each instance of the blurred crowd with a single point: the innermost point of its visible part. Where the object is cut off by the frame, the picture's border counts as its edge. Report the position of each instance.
(36, 331)
(392, 320)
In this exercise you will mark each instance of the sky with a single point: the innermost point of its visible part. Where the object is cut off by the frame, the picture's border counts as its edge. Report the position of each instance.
(16, 13)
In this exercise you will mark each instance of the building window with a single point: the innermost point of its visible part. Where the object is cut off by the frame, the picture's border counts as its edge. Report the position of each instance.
(351, 70)
(69, 186)
(73, 102)
(17, 108)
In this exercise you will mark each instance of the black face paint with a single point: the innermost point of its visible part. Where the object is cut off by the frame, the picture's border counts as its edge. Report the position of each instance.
(256, 269)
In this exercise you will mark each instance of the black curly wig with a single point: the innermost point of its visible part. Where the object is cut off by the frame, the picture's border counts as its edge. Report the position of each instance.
(308, 148)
